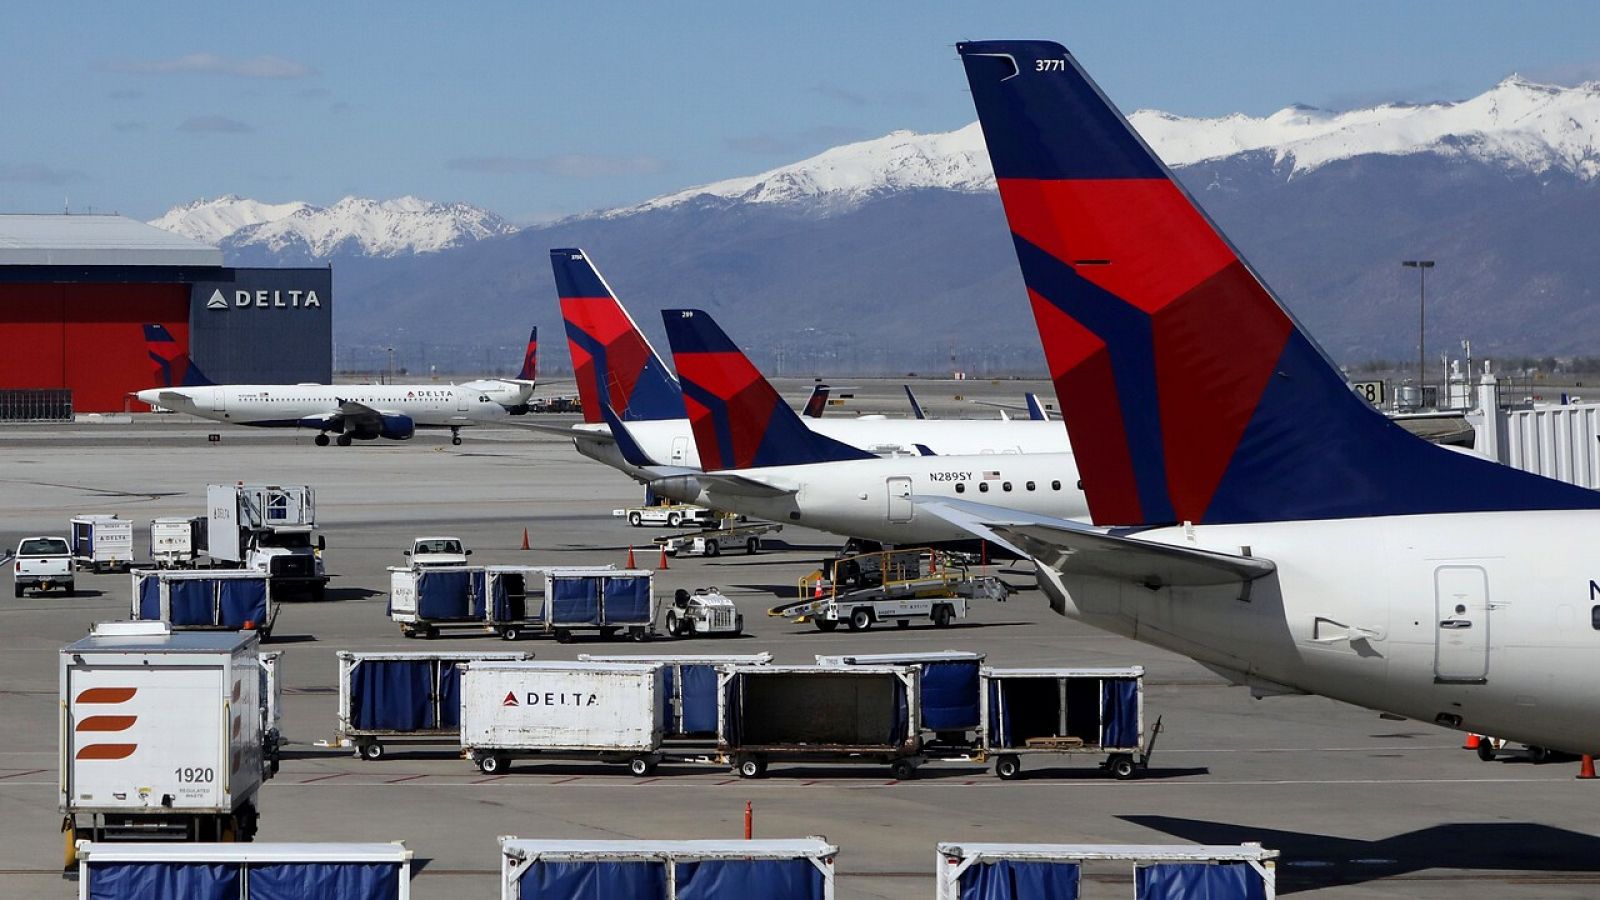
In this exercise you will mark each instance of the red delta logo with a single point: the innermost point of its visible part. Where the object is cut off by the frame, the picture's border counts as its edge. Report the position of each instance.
(510, 700)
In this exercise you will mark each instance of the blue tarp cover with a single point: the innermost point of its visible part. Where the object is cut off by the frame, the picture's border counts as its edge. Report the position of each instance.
(950, 695)
(150, 598)
(1197, 881)
(699, 696)
(444, 595)
(191, 602)
(747, 879)
(449, 694)
(594, 881)
(575, 600)
(627, 600)
(392, 695)
(1016, 879)
(241, 600)
(1119, 713)
(324, 881)
(729, 731)
(478, 593)
(163, 881)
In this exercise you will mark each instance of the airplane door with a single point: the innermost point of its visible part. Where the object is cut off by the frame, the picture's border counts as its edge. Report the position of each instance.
(680, 450)
(900, 508)
(1461, 636)
(219, 400)
(461, 400)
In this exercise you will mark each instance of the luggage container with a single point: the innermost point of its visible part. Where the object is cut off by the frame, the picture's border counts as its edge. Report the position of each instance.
(160, 734)
(1160, 871)
(100, 542)
(612, 712)
(225, 599)
(1066, 711)
(175, 541)
(424, 600)
(232, 871)
(949, 703)
(562, 600)
(818, 714)
(691, 686)
(402, 697)
(795, 869)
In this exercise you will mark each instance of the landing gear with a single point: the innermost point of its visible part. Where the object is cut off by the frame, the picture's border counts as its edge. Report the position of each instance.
(343, 440)
(455, 435)
(322, 440)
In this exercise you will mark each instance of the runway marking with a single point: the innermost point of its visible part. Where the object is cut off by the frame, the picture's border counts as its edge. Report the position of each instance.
(405, 779)
(489, 780)
(323, 778)
(646, 781)
(20, 774)
(565, 780)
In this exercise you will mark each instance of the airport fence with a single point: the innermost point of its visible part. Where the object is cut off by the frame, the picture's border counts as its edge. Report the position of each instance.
(35, 405)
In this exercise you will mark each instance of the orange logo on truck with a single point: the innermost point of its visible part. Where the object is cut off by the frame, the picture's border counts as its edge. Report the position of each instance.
(106, 723)
(107, 695)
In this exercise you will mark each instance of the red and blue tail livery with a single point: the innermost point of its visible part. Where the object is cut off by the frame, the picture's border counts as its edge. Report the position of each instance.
(738, 419)
(1189, 392)
(611, 359)
(530, 358)
(170, 360)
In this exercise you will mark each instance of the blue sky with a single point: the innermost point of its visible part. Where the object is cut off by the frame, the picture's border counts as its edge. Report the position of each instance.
(536, 110)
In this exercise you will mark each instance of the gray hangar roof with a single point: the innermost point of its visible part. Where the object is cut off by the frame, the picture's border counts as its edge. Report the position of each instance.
(66, 240)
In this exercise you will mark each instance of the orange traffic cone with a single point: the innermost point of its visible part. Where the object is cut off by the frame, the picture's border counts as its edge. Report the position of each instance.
(818, 592)
(663, 566)
(1471, 742)
(630, 559)
(1586, 770)
(524, 538)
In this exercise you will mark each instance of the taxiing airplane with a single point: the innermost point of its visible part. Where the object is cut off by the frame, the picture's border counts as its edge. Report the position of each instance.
(1253, 513)
(352, 412)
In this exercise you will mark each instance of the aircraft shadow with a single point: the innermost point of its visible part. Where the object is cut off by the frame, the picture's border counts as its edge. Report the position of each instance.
(350, 593)
(1333, 861)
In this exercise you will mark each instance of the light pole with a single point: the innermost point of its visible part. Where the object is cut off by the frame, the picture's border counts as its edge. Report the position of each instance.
(391, 366)
(1422, 266)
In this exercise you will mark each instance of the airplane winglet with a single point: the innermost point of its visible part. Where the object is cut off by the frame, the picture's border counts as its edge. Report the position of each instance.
(916, 408)
(1036, 410)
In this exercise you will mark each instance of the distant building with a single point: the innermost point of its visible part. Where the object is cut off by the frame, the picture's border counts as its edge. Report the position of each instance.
(76, 290)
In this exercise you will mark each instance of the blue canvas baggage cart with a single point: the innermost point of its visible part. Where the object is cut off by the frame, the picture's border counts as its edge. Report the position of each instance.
(218, 599)
(426, 599)
(1053, 871)
(951, 704)
(691, 686)
(1096, 711)
(561, 601)
(408, 697)
(267, 871)
(796, 869)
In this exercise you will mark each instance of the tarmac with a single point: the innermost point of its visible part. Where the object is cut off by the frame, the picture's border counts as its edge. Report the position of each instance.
(1359, 806)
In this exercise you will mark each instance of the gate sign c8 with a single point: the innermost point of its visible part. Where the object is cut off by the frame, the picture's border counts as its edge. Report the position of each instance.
(1370, 391)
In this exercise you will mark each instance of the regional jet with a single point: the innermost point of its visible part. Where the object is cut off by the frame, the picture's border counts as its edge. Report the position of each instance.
(1249, 510)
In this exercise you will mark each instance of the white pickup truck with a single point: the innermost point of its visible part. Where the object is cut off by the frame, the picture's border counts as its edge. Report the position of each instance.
(427, 552)
(43, 563)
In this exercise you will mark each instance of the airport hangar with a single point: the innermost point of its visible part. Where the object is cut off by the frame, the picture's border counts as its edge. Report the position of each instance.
(76, 291)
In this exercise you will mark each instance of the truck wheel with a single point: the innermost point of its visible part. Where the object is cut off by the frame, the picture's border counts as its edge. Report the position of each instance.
(493, 764)
(942, 614)
(635, 519)
(713, 548)
(902, 623)
(826, 624)
(18, 590)
(861, 619)
(563, 635)
(750, 766)
(1122, 767)
(70, 588)
(752, 545)
(319, 593)
(370, 751)
(903, 770)
(673, 624)
(641, 766)
(1008, 767)
(674, 520)
(510, 633)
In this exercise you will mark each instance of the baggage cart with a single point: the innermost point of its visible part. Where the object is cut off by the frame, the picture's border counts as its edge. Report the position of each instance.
(102, 542)
(1097, 711)
(422, 601)
(175, 541)
(691, 686)
(1160, 871)
(412, 698)
(826, 714)
(950, 693)
(560, 601)
(794, 869)
(200, 599)
(611, 712)
(308, 871)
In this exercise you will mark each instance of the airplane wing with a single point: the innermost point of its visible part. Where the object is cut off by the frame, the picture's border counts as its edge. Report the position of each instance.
(359, 416)
(566, 431)
(1073, 548)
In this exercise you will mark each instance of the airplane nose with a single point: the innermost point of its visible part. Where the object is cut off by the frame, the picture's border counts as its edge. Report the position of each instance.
(147, 397)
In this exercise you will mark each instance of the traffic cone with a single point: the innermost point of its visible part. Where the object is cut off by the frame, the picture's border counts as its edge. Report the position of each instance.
(1586, 770)
(663, 566)
(817, 594)
(630, 559)
(1471, 742)
(525, 539)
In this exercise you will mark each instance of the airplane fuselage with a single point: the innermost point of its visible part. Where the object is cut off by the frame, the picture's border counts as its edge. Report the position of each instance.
(292, 405)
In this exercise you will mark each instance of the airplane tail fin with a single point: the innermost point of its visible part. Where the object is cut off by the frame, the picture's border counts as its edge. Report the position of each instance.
(738, 419)
(916, 408)
(611, 359)
(1036, 410)
(530, 358)
(1188, 391)
(170, 360)
(816, 403)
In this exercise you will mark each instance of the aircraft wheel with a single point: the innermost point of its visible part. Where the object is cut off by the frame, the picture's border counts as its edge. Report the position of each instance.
(455, 441)
(343, 440)
(321, 440)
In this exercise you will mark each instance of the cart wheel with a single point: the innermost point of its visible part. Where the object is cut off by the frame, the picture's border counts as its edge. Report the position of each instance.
(861, 620)
(1008, 767)
(738, 624)
(563, 635)
(826, 624)
(750, 767)
(69, 836)
(942, 614)
(510, 633)
(902, 623)
(638, 634)
(249, 823)
(371, 751)
(493, 764)
(1485, 750)
(673, 624)
(635, 519)
(1122, 767)
(903, 770)
(429, 632)
(752, 545)
(640, 766)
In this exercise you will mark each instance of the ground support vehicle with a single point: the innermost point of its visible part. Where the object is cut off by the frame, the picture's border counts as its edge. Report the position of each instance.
(949, 697)
(160, 735)
(733, 535)
(826, 714)
(42, 564)
(1490, 748)
(1161, 871)
(424, 600)
(795, 869)
(561, 601)
(167, 872)
(217, 599)
(402, 698)
(704, 612)
(269, 528)
(102, 542)
(1097, 711)
(175, 541)
(611, 712)
(671, 515)
(691, 686)
(902, 586)
(437, 551)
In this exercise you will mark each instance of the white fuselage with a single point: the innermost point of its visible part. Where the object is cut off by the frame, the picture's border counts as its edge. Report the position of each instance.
(870, 498)
(1489, 618)
(290, 405)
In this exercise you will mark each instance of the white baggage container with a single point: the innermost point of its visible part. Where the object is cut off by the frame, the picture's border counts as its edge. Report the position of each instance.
(1161, 871)
(174, 541)
(610, 711)
(102, 541)
(793, 869)
(304, 871)
(160, 733)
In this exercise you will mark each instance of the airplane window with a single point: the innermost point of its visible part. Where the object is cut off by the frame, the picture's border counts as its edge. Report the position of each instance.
(983, 487)
(962, 489)
(1030, 485)
(1055, 485)
(1006, 486)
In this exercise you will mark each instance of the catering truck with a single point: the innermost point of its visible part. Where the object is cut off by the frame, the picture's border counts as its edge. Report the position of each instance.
(270, 528)
(160, 735)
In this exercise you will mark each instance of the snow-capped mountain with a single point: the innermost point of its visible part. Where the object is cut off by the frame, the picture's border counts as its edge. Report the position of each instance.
(354, 225)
